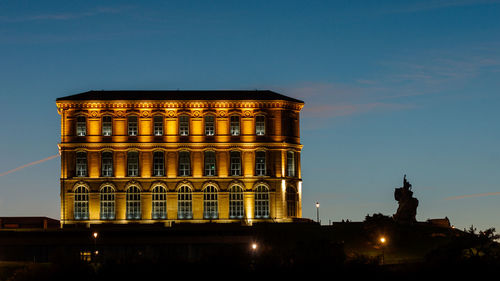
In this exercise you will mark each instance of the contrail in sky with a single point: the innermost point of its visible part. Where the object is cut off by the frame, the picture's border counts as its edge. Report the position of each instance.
(473, 195)
(29, 164)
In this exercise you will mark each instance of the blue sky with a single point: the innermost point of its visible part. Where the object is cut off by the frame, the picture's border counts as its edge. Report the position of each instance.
(391, 87)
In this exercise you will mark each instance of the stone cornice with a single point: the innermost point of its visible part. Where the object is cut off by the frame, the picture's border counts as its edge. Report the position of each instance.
(180, 146)
(109, 105)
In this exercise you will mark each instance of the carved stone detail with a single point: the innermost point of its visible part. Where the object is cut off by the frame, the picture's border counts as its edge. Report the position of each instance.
(222, 114)
(93, 114)
(247, 113)
(120, 113)
(133, 183)
(184, 182)
(196, 113)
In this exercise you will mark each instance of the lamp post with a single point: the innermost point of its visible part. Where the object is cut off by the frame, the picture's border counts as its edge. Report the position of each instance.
(317, 212)
(95, 234)
(382, 243)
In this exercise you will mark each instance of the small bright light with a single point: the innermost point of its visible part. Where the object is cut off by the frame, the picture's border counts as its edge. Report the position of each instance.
(95, 235)
(317, 204)
(96, 252)
(254, 246)
(382, 240)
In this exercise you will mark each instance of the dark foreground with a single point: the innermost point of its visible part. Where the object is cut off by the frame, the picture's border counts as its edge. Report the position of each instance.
(215, 251)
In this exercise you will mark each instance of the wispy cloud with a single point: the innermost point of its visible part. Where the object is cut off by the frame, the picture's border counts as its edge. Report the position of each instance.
(473, 195)
(421, 6)
(336, 110)
(28, 165)
(401, 76)
(64, 15)
(330, 100)
(433, 71)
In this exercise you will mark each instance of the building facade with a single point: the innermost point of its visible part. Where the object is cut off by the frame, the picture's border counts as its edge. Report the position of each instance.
(180, 156)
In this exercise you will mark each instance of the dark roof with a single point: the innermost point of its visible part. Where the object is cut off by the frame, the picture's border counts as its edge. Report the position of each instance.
(26, 219)
(28, 222)
(179, 95)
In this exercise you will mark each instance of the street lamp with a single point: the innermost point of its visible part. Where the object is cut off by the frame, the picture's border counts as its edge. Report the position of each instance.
(317, 212)
(95, 234)
(383, 240)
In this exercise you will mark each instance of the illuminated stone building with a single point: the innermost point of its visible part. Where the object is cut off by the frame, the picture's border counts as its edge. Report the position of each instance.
(180, 156)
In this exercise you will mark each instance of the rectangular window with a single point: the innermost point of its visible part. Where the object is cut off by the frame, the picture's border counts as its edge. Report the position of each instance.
(158, 164)
(184, 164)
(235, 125)
(290, 164)
(235, 164)
(209, 125)
(158, 125)
(107, 203)
(133, 164)
(260, 125)
(81, 164)
(132, 126)
(184, 203)
(81, 126)
(159, 203)
(261, 202)
(133, 203)
(106, 126)
(107, 164)
(260, 163)
(210, 203)
(209, 163)
(183, 125)
(236, 203)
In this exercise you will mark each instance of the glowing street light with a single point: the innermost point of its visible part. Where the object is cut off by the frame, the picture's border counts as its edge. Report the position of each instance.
(317, 212)
(95, 234)
(383, 240)
(254, 246)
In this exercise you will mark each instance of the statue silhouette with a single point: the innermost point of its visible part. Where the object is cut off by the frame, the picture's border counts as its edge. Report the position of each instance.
(407, 210)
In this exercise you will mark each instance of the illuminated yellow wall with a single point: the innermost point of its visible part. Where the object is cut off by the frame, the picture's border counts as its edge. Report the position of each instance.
(274, 143)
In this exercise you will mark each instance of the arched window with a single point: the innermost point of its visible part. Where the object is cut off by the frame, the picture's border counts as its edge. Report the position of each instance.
(261, 202)
(81, 126)
(158, 125)
(184, 203)
(210, 203)
(158, 164)
(291, 202)
(209, 125)
(235, 125)
(107, 203)
(183, 125)
(107, 164)
(133, 164)
(107, 129)
(235, 163)
(133, 203)
(260, 125)
(159, 203)
(260, 163)
(210, 169)
(133, 129)
(81, 209)
(184, 163)
(236, 210)
(81, 164)
(290, 163)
